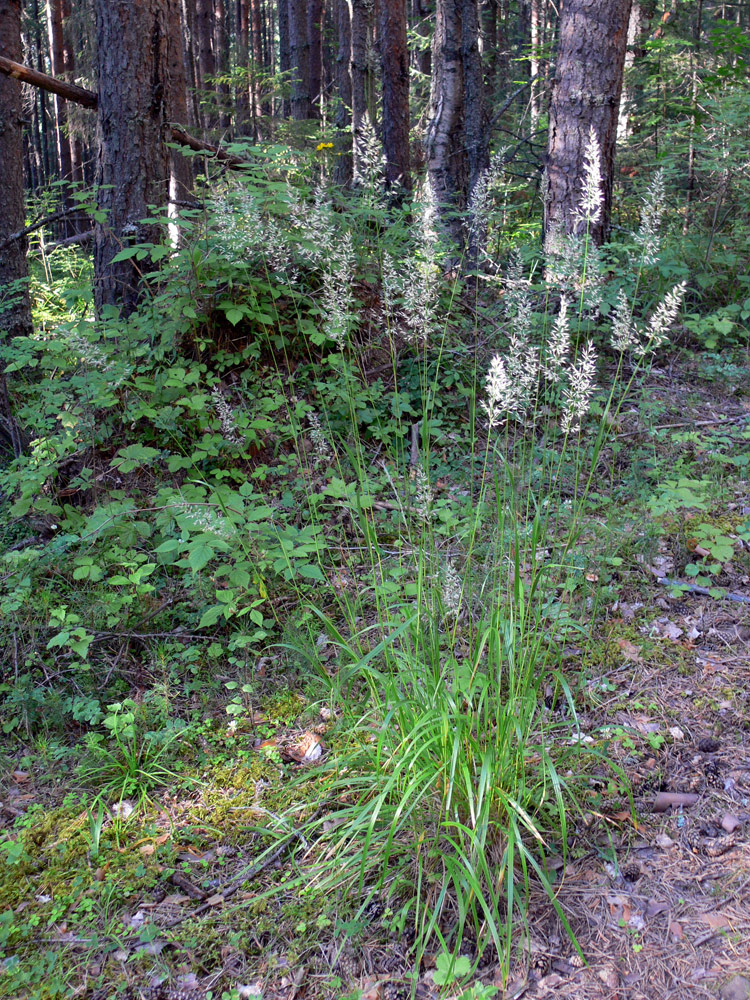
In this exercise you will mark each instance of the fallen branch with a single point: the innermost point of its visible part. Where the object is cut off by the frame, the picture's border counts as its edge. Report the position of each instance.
(69, 241)
(88, 99)
(693, 588)
(39, 224)
(737, 418)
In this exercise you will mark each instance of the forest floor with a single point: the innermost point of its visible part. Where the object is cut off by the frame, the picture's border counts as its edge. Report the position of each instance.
(658, 897)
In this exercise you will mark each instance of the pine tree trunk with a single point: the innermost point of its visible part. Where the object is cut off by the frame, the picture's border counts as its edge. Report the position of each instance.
(639, 24)
(39, 113)
(422, 15)
(15, 309)
(205, 43)
(394, 57)
(343, 170)
(586, 95)
(221, 48)
(180, 167)
(257, 35)
(299, 52)
(475, 109)
(57, 63)
(457, 131)
(315, 10)
(360, 12)
(285, 57)
(191, 63)
(133, 162)
(244, 95)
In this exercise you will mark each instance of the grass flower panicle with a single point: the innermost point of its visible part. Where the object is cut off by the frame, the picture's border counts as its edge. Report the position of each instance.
(662, 318)
(647, 236)
(323, 450)
(423, 495)
(516, 299)
(589, 209)
(559, 343)
(579, 390)
(369, 158)
(623, 334)
(420, 302)
(338, 297)
(225, 413)
(480, 201)
(204, 517)
(451, 590)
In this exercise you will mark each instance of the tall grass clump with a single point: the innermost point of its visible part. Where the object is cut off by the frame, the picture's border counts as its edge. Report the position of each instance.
(459, 754)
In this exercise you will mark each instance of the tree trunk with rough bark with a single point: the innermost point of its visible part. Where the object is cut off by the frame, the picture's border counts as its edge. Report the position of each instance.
(586, 96)
(422, 16)
(343, 116)
(133, 162)
(639, 25)
(221, 48)
(394, 58)
(257, 43)
(299, 54)
(315, 13)
(285, 57)
(57, 63)
(244, 96)
(360, 12)
(457, 131)
(15, 310)
(191, 63)
(205, 43)
(180, 167)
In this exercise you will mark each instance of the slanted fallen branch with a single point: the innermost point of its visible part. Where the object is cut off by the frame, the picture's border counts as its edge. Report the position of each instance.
(88, 99)
(694, 588)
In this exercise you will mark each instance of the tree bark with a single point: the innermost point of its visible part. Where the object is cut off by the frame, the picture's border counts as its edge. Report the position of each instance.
(133, 162)
(243, 96)
(639, 25)
(457, 133)
(343, 118)
(422, 16)
(360, 14)
(299, 52)
(205, 43)
(15, 308)
(285, 56)
(258, 63)
(475, 108)
(57, 64)
(586, 95)
(69, 72)
(394, 58)
(180, 166)
(221, 48)
(315, 12)
(191, 63)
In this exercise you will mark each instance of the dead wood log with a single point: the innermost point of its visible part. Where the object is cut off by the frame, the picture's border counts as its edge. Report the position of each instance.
(88, 99)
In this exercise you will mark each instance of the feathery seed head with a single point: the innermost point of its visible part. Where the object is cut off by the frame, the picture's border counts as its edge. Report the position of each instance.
(589, 208)
(577, 394)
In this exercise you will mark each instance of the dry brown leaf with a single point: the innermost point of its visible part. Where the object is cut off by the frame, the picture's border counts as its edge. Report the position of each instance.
(630, 651)
(663, 841)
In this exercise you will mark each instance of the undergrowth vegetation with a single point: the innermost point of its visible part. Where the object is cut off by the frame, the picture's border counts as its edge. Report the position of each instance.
(328, 472)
